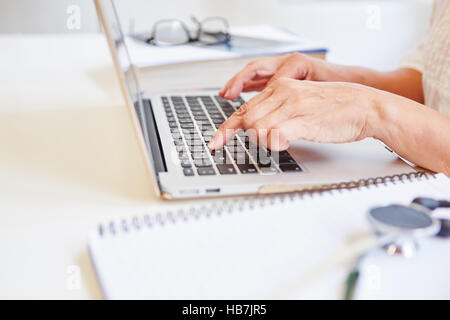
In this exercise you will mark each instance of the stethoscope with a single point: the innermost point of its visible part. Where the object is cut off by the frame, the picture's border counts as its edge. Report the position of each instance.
(398, 229)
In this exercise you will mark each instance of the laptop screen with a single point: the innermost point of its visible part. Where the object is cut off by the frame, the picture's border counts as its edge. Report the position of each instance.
(112, 21)
(139, 109)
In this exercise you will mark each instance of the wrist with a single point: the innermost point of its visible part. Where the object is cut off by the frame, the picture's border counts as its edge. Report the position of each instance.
(322, 70)
(382, 116)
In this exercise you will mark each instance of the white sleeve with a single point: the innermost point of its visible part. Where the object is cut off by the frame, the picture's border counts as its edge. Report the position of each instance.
(413, 60)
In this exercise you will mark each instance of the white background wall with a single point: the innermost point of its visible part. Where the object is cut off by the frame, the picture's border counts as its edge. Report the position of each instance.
(33, 16)
(343, 25)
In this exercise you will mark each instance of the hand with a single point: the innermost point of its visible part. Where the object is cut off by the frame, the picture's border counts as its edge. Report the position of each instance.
(260, 73)
(287, 110)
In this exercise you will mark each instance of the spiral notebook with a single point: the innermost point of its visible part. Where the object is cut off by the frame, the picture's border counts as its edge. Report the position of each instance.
(280, 246)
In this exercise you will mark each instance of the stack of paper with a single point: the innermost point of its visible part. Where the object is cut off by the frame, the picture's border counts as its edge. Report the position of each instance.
(246, 42)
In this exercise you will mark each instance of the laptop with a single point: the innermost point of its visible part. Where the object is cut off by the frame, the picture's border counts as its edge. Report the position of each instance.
(174, 129)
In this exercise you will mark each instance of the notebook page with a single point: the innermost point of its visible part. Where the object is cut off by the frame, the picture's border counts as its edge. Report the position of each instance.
(270, 251)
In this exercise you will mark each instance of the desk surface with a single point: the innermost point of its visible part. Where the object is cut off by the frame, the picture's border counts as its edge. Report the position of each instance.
(68, 160)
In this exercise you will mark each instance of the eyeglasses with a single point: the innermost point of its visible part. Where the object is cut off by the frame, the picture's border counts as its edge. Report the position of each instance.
(172, 32)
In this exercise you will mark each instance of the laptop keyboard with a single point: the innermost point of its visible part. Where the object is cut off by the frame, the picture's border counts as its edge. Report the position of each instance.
(193, 121)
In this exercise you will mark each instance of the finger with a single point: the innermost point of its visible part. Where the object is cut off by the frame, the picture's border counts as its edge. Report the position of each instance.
(259, 134)
(222, 92)
(234, 123)
(234, 86)
(264, 107)
(280, 137)
(255, 85)
(294, 67)
(282, 113)
(254, 70)
(260, 76)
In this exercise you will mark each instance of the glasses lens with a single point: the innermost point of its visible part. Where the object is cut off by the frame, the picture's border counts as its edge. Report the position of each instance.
(171, 33)
(214, 30)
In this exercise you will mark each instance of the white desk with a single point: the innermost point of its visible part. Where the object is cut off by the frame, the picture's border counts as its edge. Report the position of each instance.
(68, 160)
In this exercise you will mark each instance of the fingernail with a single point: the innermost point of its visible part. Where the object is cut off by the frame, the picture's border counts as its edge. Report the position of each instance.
(227, 94)
(212, 143)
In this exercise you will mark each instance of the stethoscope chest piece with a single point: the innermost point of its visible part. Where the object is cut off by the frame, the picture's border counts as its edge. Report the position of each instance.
(402, 226)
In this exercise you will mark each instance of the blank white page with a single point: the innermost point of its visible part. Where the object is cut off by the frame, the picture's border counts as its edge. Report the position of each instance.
(268, 249)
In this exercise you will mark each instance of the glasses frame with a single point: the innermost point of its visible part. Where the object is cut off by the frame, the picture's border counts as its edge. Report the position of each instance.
(222, 37)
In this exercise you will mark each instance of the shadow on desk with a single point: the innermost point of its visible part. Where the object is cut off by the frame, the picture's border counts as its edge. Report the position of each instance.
(93, 148)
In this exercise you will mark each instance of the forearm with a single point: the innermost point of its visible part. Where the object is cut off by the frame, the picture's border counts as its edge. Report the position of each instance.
(414, 131)
(404, 82)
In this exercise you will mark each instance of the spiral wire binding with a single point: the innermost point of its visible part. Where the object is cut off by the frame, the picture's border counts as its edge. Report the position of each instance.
(231, 205)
